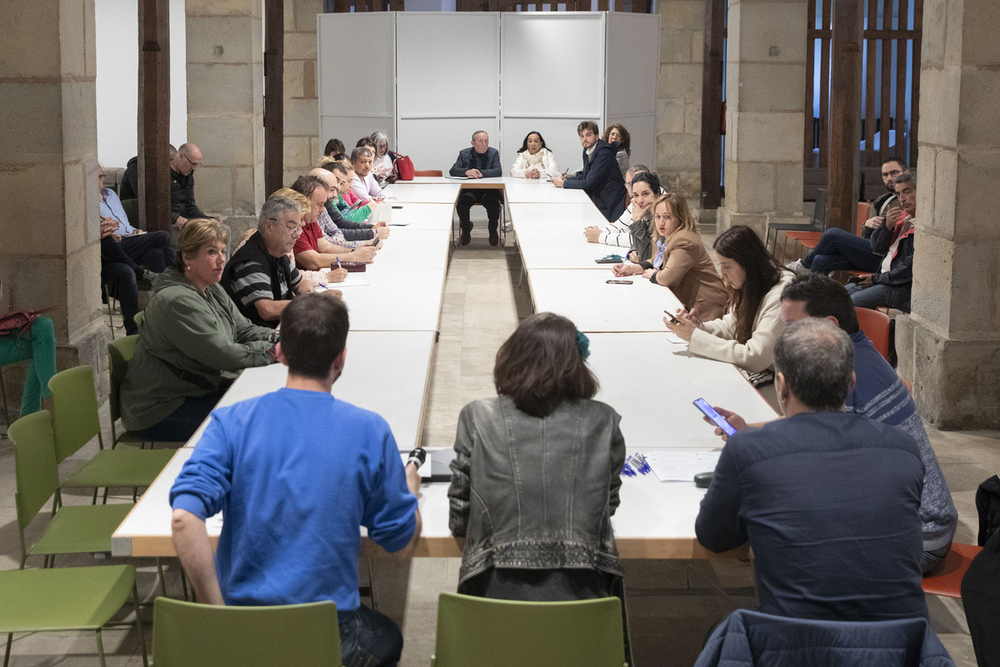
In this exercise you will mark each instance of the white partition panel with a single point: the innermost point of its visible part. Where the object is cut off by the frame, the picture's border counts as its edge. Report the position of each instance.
(632, 71)
(357, 87)
(448, 68)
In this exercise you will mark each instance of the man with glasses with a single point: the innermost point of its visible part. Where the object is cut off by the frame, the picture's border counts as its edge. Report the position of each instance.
(838, 250)
(260, 277)
(182, 166)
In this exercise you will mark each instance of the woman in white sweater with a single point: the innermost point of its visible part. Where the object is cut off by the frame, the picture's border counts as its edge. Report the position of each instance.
(534, 160)
(745, 335)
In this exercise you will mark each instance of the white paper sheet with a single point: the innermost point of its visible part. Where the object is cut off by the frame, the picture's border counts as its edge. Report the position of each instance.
(681, 466)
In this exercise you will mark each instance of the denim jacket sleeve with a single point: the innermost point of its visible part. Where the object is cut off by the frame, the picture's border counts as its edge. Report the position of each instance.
(459, 491)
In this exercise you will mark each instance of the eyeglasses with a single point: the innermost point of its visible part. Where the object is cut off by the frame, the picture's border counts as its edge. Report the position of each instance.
(892, 174)
(190, 161)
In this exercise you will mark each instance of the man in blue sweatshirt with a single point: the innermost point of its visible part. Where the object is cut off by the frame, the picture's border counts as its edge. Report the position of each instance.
(296, 473)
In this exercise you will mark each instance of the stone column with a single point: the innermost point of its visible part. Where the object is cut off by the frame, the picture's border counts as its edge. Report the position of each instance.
(49, 254)
(950, 346)
(302, 143)
(225, 98)
(678, 97)
(765, 83)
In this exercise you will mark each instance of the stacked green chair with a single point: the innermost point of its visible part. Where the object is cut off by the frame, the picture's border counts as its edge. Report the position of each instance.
(76, 422)
(72, 598)
(187, 634)
(120, 353)
(498, 633)
(71, 530)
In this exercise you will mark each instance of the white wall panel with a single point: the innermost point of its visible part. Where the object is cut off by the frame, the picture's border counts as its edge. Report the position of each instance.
(632, 64)
(553, 64)
(356, 81)
(448, 65)
(351, 128)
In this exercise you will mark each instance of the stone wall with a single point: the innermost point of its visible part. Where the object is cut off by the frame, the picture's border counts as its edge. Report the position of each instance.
(302, 147)
(678, 97)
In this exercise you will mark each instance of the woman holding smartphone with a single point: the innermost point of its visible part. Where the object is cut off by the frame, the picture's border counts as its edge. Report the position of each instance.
(745, 335)
(680, 260)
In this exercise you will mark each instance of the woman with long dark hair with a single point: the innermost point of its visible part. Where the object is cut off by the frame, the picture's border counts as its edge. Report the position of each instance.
(745, 335)
(534, 159)
(617, 134)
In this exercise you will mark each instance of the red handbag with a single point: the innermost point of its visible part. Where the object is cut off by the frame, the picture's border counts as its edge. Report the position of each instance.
(403, 166)
(20, 319)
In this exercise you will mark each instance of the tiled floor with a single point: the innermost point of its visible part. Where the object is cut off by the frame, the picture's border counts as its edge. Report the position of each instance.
(671, 604)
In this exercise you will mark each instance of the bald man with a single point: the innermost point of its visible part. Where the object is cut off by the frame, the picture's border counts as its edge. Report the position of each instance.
(182, 166)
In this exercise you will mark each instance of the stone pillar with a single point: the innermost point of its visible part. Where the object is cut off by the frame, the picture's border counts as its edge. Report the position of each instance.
(225, 98)
(49, 254)
(302, 143)
(765, 83)
(950, 346)
(678, 97)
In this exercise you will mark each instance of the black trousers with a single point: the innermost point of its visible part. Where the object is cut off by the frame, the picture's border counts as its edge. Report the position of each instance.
(153, 250)
(488, 198)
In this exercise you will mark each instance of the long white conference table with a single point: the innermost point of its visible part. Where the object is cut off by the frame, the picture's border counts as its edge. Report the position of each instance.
(394, 323)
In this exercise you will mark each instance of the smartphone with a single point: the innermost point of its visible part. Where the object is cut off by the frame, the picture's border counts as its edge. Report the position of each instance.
(614, 281)
(671, 316)
(397, 206)
(715, 417)
(615, 259)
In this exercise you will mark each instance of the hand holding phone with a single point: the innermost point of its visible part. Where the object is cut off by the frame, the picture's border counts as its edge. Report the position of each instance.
(714, 416)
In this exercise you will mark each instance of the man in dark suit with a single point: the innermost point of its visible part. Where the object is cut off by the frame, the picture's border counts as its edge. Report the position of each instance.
(478, 161)
(600, 177)
(828, 500)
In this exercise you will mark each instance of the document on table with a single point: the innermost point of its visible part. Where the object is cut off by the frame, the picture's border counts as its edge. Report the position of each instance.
(457, 178)
(681, 466)
(352, 280)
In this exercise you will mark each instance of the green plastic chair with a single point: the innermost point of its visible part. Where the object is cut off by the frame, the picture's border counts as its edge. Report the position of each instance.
(75, 421)
(187, 634)
(120, 353)
(71, 598)
(76, 529)
(499, 633)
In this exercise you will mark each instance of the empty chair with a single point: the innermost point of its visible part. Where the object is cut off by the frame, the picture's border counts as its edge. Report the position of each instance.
(494, 633)
(187, 634)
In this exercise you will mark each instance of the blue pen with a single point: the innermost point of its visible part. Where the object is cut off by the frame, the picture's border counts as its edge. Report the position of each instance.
(627, 470)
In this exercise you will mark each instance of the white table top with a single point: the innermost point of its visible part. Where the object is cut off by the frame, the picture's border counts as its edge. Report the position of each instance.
(429, 193)
(629, 365)
(531, 191)
(421, 216)
(413, 248)
(438, 180)
(584, 296)
(405, 356)
(548, 249)
(563, 216)
(397, 299)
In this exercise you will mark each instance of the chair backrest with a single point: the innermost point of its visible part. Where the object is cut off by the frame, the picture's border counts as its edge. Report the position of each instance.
(186, 634)
(875, 324)
(119, 354)
(429, 172)
(488, 633)
(74, 410)
(35, 469)
(131, 208)
(864, 208)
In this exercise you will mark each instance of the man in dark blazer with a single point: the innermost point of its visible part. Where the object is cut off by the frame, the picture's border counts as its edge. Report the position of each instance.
(600, 177)
(478, 161)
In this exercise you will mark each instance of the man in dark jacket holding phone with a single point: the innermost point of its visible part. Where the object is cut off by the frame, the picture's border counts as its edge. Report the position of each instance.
(600, 177)
(891, 284)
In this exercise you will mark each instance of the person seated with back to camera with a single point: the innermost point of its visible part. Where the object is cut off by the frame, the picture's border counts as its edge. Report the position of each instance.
(878, 394)
(680, 261)
(617, 134)
(501, 482)
(259, 277)
(534, 159)
(828, 500)
(618, 233)
(312, 250)
(192, 344)
(745, 335)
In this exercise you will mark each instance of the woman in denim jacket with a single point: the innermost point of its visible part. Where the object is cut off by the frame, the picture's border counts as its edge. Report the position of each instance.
(536, 475)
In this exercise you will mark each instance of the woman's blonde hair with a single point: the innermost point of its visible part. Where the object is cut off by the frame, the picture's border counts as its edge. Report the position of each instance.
(297, 197)
(678, 208)
(195, 235)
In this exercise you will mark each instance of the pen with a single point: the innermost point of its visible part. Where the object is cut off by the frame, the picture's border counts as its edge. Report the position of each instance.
(338, 262)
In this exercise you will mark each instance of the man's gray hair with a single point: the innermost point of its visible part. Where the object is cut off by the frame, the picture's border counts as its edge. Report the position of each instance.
(360, 152)
(817, 359)
(478, 132)
(273, 208)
